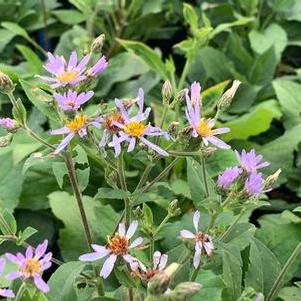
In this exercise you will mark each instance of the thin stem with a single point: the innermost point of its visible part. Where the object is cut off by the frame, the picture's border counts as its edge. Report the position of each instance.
(195, 273)
(21, 291)
(165, 220)
(151, 246)
(212, 221)
(184, 73)
(277, 285)
(204, 174)
(183, 153)
(161, 175)
(38, 138)
(144, 176)
(78, 196)
(45, 17)
(165, 110)
(131, 294)
(122, 180)
(226, 233)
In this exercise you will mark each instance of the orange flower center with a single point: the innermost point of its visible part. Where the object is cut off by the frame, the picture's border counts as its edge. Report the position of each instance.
(32, 266)
(67, 76)
(118, 244)
(135, 128)
(110, 119)
(204, 129)
(77, 123)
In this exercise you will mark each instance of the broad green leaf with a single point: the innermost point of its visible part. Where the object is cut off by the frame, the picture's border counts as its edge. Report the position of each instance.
(148, 55)
(72, 239)
(16, 29)
(291, 293)
(32, 59)
(213, 286)
(109, 193)
(5, 37)
(69, 16)
(9, 224)
(263, 268)
(40, 99)
(289, 96)
(62, 282)
(253, 123)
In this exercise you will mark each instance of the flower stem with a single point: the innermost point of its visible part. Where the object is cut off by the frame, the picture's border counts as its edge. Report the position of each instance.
(204, 174)
(21, 291)
(144, 175)
(122, 180)
(151, 246)
(77, 193)
(195, 273)
(276, 286)
(184, 73)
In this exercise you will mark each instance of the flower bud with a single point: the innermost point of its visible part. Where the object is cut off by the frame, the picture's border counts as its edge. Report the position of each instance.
(181, 95)
(167, 92)
(6, 140)
(98, 43)
(226, 99)
(208, 151)
(271, 180)
(185, 290)
(8, 123)
(6, 84)
(173, 208)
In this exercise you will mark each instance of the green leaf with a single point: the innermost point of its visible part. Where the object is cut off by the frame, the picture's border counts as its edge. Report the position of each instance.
(289, 96)
(190, 15)
(8, 224)
(72, 239)
(291, 293)
(32, 59)
(196, 182)
(5, 37)
(263, 268)
(69, 16)
(40, 99)
(125, 278)
(253, 123)
(62, 282)
(213, 286)
(16, 29)
(109, 193)
(27, 233)
(148, 55)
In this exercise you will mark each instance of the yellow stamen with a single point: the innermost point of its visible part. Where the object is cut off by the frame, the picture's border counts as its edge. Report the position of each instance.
(77, 123)
(135, 128)
(67, 76)
(118, 244)
(204, 129)
(32, 266)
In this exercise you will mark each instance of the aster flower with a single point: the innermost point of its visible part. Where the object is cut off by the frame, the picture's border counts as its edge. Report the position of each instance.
(77, 126)
(133, 129)
(65, 74)
(254, 184)
(250, 162)
(118, 246)
(202, 127)
(100, 66)
(202, 240)
(71, 101)
(32, 265)
(8, 123)
(228, 177)
(4, 292)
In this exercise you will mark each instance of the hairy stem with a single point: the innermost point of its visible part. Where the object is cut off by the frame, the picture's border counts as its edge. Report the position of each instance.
(78, 196)
(277, 285)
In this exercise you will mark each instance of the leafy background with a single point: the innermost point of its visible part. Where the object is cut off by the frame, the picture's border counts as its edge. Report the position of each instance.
(255, 41)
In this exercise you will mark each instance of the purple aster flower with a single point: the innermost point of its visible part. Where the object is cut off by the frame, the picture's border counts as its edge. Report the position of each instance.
(254, 184)
(202, 127)
(78, 125)
(133, 129)
(118, 245)
(65, 74)
(4, 292)
(32, 265)
(250, 161)
(99, 67)
(259, 297)
(202, 240)
(70, 101)
(8, 123)
(228, 177)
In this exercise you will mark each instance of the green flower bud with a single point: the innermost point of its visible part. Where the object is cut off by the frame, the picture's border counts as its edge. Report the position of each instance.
(6, 84)
(185, 290)
(226, 99)
(271, 180)
(98, 43)
(167, 92)
(6, 140)
(173, 208)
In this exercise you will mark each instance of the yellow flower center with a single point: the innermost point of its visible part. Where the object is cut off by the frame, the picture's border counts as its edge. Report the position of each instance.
(135, 128)
(32, 266)
(77, 123)
(67, 76)
(118, 244)
(204, 129)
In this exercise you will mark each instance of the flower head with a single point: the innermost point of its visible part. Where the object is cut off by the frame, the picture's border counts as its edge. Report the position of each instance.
(32, 265)
(249, 161)
(202, 127)
(78, 125)
(65, 74)
(8, 123)
(254, 184)
(228, 177)
(134, 129)
(202, 240)
(3, 291)
(71, 101)
(100, 66)
(117, 245)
